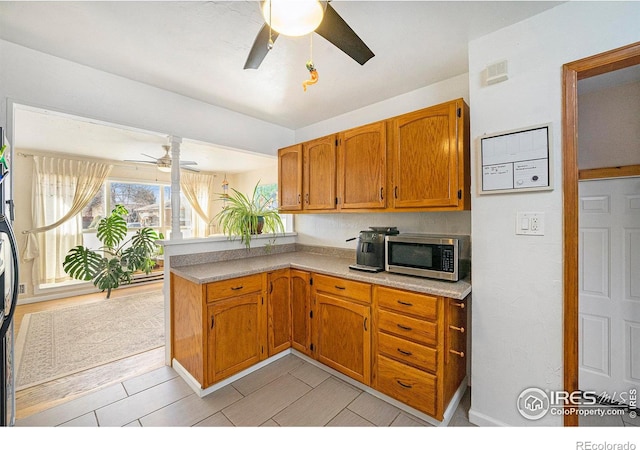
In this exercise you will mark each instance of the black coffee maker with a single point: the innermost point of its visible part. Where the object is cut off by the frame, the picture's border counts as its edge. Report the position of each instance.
(371, 248)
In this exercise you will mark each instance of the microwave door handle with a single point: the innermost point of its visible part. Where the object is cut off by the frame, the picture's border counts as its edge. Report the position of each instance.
(5, 227)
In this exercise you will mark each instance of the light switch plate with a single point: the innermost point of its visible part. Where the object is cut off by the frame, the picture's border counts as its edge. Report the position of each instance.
(530, 223)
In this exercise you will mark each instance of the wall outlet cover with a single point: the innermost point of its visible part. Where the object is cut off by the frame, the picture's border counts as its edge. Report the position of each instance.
(530, 223)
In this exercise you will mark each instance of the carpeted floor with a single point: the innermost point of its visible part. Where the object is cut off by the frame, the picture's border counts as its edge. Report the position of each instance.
(57, 343)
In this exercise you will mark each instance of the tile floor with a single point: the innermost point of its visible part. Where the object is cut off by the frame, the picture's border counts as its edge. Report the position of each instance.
(288, 392)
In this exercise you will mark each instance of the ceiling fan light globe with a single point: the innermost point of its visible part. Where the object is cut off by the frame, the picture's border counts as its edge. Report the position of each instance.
(293, 17)
(164, 168)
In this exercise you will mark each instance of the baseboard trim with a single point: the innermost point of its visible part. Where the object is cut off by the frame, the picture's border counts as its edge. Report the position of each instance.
(482, 420)
(197, 388)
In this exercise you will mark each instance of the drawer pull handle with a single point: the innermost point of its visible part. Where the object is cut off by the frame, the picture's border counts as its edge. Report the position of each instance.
(237, 288)
(459, 305)
(460, 329)
(402, 327)
(405, 352)
(342, 288)
(408, 386)
(460, 354)
(405, 303)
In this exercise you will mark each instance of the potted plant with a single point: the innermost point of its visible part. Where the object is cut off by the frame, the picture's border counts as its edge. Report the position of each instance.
(116, 261)
(245, 216)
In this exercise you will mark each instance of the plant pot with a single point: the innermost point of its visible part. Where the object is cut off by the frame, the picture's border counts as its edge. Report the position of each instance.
(259, 227)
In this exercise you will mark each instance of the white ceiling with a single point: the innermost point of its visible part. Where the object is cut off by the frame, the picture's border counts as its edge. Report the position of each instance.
(198, 49)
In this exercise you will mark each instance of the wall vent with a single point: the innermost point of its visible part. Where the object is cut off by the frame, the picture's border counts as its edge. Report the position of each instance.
(497, 72)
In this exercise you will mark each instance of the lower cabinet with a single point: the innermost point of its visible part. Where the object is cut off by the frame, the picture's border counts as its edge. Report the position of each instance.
(279, 311)
(301, 311)
(420, 342)
(229, 351)
(343, 339)
(220, 328)
(409, 346)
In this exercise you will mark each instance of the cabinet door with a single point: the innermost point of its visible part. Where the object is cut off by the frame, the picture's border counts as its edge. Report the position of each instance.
(236, 336)
(425, 158)
(300, 312)
(320, 173)
(362, 162)
(343, 336)
(290, 178)
(278, 311)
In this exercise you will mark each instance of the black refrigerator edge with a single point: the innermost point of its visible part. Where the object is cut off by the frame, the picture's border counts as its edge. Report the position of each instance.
(9, 288)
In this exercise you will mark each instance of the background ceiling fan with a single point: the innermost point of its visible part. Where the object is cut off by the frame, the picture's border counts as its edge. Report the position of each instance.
(332, 27)
(164, 162)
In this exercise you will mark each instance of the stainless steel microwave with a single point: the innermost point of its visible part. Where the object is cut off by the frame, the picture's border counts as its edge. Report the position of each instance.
(429, 256)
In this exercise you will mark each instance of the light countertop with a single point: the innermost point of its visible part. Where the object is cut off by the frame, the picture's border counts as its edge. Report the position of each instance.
(322, 264)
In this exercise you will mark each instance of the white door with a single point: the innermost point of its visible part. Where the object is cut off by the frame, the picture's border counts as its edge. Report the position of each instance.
(609, 302)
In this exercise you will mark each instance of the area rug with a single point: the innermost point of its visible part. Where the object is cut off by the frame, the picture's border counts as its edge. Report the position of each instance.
(57, 343)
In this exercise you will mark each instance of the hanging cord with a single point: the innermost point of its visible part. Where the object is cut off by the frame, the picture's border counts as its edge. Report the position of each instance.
(270, 43)
(312, 70)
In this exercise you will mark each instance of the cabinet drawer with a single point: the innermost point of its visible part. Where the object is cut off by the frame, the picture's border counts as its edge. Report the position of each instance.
(408, 385)
(408, 352)
(234, 287)
(420, 305)
(353, 290)
(408, 327)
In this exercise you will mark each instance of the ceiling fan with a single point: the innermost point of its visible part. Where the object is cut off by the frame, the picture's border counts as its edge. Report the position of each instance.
(164, 162)
(332, 27)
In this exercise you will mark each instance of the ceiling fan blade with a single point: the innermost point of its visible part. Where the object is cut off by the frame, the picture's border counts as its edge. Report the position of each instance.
(149, 156)
(188, 163)
(335, 30)
(260, 47)
(138, 161)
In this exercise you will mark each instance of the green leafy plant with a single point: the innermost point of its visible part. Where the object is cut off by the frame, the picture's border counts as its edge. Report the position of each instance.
(245, 216)
(115, 262)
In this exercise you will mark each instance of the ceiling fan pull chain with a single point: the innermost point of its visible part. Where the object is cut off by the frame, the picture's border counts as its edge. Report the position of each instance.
(312, 70)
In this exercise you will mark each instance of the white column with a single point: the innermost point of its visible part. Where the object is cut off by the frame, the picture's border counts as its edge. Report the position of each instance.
(175, 188)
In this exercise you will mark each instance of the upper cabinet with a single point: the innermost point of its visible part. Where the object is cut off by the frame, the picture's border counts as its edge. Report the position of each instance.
(319, 173)
(427, 153)
(362, 167)
(419, 161)
(290, 178)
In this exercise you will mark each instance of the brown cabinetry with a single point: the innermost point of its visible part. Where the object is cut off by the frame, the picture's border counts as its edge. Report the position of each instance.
(290, 178)
(319, 174)
(300, 311)
(362, 164)
(218, 329)
(419, 161)
(278, 311)
(429, 156)
(419, 356)
(342, 326)
(407, 345)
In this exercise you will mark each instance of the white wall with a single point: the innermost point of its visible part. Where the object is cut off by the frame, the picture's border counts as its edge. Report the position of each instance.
(517, 280)
(333, 229)
(609, 129)
(37, 79)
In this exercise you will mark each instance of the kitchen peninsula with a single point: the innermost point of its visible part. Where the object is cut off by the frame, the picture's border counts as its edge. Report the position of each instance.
(398, 337)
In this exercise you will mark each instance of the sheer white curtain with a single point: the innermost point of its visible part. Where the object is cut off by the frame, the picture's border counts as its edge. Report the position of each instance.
(61, 189)
(199, 190)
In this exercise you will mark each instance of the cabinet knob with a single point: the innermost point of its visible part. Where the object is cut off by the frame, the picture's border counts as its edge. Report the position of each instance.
(460, 354)
(459, 305)
(460, 329)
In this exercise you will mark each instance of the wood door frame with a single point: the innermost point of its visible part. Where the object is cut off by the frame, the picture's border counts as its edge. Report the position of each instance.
(616, 59)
